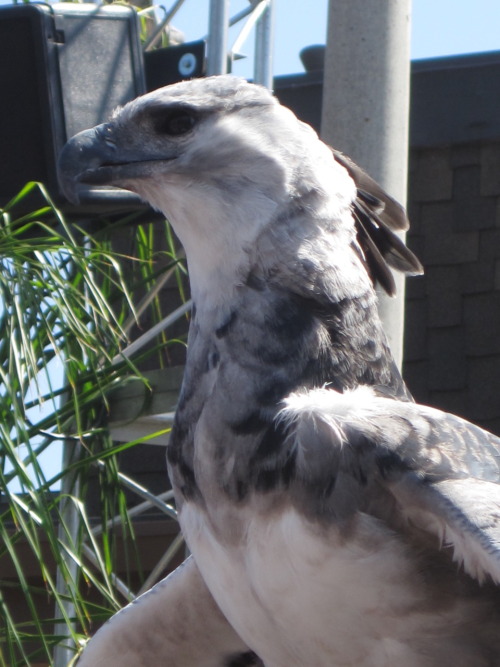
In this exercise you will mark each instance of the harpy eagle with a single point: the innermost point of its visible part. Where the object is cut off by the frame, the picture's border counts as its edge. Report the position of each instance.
(332, 521)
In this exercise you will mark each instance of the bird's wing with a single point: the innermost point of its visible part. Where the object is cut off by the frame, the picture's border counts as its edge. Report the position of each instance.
(176, 622)
(461, 513)
(440, 474)
(378, 217)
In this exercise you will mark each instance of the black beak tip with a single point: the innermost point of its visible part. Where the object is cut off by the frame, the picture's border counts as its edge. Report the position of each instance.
(68, 172)
(70, 189)
(81, 155)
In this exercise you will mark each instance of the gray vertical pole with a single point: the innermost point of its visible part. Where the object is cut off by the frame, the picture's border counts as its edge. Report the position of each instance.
(366, 106)
(264, 40)
(68, 534)
(218, 23)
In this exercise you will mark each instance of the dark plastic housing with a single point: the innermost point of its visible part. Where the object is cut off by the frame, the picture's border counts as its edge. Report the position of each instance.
(63, 68)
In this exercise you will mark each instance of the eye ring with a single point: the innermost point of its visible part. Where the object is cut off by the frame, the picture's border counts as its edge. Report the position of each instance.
(176, 122)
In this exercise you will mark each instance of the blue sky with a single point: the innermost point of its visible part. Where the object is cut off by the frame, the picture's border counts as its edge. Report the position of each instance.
(439, 28)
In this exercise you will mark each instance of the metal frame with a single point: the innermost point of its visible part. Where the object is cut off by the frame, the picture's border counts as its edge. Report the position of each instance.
(260, 14)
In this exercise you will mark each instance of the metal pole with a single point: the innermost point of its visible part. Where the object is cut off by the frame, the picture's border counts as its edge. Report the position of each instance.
(264, 40)
(218, 23)
(68, 534)
(366, 106)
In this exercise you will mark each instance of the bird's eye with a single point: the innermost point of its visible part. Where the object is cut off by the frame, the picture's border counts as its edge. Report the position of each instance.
(176, 123)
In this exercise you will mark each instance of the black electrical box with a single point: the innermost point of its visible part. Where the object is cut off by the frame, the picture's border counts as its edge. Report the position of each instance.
(63, 68)
(174, 63)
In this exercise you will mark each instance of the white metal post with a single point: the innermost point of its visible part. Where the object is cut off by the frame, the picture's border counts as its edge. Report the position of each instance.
(264, 40)
(218, 22)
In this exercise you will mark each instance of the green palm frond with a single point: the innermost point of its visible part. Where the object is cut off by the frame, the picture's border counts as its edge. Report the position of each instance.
(66, 309)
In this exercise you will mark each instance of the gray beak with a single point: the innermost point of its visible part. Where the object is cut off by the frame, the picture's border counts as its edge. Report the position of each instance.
(83, 160)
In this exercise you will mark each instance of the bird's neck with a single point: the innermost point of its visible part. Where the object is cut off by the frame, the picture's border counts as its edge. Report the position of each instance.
(297, 310)
(217, 227)
(298, 287)
(228, 224)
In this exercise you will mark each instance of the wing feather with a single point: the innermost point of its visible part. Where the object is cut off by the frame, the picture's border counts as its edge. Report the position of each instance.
(442, 472)
(463, 514)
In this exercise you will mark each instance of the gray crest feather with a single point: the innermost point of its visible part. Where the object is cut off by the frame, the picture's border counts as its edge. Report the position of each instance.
(378, 217)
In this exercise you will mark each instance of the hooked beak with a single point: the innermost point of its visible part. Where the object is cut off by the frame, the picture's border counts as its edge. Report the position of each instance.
(87, 159)
(94, 157)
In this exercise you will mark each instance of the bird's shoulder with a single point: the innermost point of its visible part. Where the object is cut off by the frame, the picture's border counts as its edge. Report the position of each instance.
(420, 470)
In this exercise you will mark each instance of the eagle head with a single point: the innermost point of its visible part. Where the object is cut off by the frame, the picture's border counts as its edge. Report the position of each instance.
(223, 160)
(202, 136)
